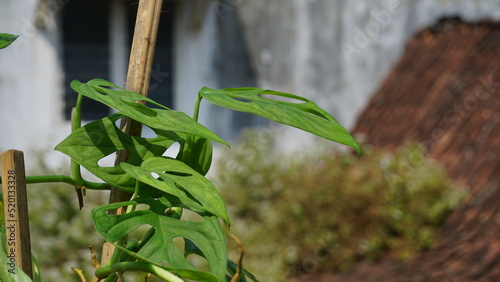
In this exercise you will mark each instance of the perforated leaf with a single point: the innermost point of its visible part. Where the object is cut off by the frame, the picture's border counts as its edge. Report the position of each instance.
(301, 113)
(178, 179)
(125, 102)
(207, 235)
(96, 140)
(9, 271)
(197, 153)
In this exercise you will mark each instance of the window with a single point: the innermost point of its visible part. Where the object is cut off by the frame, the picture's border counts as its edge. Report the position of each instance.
(94, 34)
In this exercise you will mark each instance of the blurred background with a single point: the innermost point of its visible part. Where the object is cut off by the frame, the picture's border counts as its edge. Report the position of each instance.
(363, 61)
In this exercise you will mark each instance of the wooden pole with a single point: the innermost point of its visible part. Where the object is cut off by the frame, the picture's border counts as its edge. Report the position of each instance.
(138, 76)
(15, 204)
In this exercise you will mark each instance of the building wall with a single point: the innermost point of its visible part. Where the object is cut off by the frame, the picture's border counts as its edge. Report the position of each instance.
(337, 52)
(211, 52)
(334, 52)
(30, 77)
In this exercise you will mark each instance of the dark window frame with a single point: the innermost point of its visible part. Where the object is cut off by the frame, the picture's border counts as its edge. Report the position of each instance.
(86, 51)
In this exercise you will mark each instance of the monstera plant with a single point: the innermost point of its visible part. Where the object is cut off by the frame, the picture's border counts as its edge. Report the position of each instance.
(162, 187)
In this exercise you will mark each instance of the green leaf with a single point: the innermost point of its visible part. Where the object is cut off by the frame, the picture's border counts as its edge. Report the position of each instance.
(11, 273)
(207, 235)
(191, 274)
(197, 153)
(6, 39)
(125, 102)
(178, 179)
(304, 114)
(96, 140)
(232, 267)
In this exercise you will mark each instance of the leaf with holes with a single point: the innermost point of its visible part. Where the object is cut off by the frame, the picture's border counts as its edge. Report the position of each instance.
(7, 272)
(125, 102)
(232, 267)
(176, 178)
(304, 114)
(96, 140)
(197, 153)
(207, 235)
(6, 39)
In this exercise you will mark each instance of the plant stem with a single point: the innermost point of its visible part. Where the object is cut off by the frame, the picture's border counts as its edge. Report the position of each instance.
(131, 208)
(140, 266)
(76, 122)
(117, 253)
(65, 179)
(197, 107)
(149, 234)
(79, 272)
(37, 277)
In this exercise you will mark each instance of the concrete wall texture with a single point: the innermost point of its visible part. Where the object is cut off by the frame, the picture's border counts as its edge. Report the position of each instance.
(333, 52)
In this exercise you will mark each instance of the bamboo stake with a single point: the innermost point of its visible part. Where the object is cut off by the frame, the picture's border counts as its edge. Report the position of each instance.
(138, 76)
(15, 203)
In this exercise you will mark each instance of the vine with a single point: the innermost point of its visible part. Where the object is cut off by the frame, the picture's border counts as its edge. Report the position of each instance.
(164, 187)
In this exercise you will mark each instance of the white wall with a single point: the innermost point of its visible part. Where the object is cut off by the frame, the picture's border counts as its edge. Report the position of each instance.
(30, 79)
(300, 46)
(194, 49)
(336, 52)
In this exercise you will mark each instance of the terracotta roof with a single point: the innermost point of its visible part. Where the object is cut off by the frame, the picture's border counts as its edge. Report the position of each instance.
(445, 92)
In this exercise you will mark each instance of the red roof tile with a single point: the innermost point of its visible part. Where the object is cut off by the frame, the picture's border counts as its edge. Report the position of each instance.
(445, 92)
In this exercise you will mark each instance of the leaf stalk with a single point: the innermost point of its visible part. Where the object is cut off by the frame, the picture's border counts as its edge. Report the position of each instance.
(138, 266)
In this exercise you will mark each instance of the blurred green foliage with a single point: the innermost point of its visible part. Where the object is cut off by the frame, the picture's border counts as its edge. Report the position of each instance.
(322, 211)
(314, 211)
(60, 231)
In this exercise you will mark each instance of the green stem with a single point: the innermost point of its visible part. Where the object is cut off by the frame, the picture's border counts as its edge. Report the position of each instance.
(139, 266)
(76, 178)
(76, 116)
(131, 208)
(197, 107)
(65, 179)
(117, 253)
(76, 122)
(111, 278)
(37, 277)
(149, 234)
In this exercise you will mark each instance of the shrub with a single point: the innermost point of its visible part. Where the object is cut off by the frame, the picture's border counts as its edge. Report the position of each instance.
(60, 231)
(323, 211)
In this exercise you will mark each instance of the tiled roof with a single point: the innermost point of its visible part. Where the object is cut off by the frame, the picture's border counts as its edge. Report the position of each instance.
(445, 92)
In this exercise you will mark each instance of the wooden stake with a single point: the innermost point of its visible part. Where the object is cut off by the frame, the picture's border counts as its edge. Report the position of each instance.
(139, 72)
(15, 203)
(138, 76)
